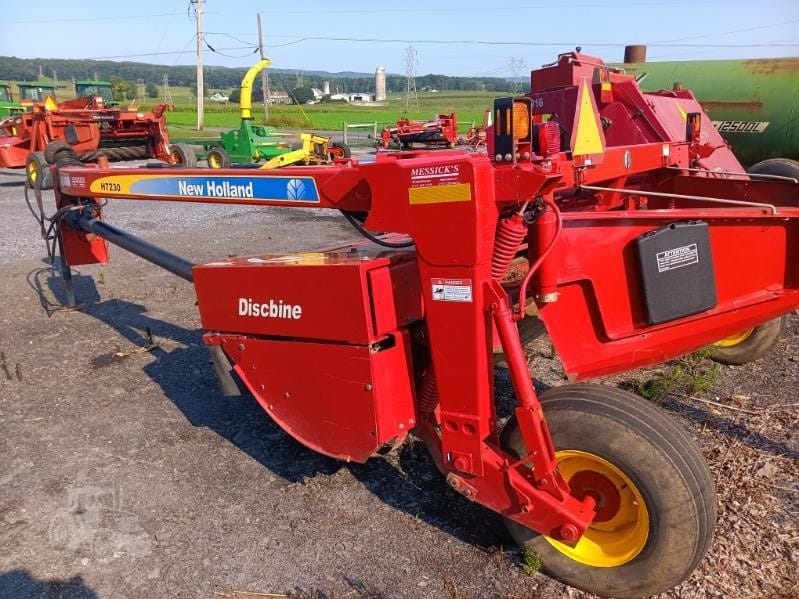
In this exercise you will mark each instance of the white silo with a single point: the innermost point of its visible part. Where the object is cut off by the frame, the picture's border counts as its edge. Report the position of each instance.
(380, 84)
(326, 88)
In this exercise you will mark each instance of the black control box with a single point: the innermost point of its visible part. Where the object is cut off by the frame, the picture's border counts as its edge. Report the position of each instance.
(676, 267)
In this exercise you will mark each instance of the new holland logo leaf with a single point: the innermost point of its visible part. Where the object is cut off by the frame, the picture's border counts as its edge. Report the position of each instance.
(295, 189)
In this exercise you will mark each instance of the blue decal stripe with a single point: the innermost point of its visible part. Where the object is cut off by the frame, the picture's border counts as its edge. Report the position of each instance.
(289, 189)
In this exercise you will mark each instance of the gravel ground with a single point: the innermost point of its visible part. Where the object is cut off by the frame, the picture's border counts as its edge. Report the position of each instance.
(134, 477)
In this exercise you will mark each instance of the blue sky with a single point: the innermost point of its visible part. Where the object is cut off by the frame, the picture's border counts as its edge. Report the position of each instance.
(674, 29)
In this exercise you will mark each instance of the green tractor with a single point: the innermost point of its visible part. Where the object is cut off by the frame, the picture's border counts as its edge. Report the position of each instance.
(35, 91)
(7, 105)
(249, 144)
(86, 89)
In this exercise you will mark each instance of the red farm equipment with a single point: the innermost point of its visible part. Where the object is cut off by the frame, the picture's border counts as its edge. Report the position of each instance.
(477, 135)
(86, 124)
(441, 131)
(645, 240)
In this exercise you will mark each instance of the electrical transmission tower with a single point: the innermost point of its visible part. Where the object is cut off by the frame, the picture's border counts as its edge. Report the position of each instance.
(167, 93)
(411, 99)
(517, 66)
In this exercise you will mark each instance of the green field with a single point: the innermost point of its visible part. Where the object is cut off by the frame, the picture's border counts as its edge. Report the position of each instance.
(469, 107)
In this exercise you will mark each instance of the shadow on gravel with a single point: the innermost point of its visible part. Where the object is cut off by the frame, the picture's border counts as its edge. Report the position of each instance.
(12, 183)
(19, 584)
(48, 278)
(730, 428)
(408, 480)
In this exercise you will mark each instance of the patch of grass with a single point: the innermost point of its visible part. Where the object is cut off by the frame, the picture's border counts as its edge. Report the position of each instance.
(469, 107)
(694, 373)
(531, 561)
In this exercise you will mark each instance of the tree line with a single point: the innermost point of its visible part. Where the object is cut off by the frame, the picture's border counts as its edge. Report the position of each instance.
(224, 78)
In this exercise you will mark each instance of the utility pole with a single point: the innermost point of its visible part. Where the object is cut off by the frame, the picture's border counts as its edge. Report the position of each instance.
(411, 99)
(200, 84)
(167, 93)
(264, 73)
(517, 66)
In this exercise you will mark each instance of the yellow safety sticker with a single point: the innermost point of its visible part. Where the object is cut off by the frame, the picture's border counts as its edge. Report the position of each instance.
(440, 194)
(587, 137)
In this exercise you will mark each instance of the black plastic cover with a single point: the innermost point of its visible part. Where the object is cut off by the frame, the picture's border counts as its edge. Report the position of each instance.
(676, 266)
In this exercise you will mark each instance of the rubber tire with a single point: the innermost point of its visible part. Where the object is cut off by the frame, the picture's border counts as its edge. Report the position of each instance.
(42, 171)
(183, 155)
(57, 149)
(222, 156)
(661, 460)
(345, 149)
(776, 166)
(759, 343)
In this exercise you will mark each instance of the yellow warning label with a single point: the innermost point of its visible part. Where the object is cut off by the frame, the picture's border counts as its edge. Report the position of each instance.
(587, 138)
(440, 194)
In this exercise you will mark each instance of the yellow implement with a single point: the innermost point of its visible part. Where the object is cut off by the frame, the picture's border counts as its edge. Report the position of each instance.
(314, 150)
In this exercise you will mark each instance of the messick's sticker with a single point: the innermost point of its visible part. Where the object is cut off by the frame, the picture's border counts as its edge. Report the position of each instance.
(452, 290)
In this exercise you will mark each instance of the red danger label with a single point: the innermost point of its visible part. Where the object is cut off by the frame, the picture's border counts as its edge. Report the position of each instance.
(452, 290)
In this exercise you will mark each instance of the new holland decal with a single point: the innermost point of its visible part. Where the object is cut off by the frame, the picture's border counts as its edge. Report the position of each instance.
(287, 189)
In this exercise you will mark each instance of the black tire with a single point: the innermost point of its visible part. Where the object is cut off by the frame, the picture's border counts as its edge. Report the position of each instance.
(782, 167)
(339, 150)
(183, 155)
(218, 158)
(37, 170)
(57, 149)
(753, 346)
(663, 464)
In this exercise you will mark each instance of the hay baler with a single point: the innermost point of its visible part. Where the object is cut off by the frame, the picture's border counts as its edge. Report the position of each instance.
(645, 240)
(89, 126)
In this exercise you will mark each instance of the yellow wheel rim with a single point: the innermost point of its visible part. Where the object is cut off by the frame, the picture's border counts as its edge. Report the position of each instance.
(734, 340)
(621, 526)
(214, 161)
(32, 172)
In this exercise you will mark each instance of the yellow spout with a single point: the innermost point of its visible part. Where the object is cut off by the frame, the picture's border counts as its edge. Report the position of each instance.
(246, 87)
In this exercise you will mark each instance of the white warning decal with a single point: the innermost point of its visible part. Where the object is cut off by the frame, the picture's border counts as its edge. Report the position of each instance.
(678, 257)
(452, 290)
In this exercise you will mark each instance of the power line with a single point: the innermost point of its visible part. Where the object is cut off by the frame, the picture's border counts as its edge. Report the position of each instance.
(233, 37)
(385, 10)
(597, 5)
(731, 31)
(84, 19)
(159, 53)
(215, 51)
(301, 38)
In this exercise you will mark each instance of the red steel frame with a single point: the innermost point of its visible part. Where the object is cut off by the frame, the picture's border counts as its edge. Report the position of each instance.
(451, 204)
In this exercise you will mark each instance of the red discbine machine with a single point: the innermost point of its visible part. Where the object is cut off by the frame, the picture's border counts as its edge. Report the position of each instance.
(645, 241)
